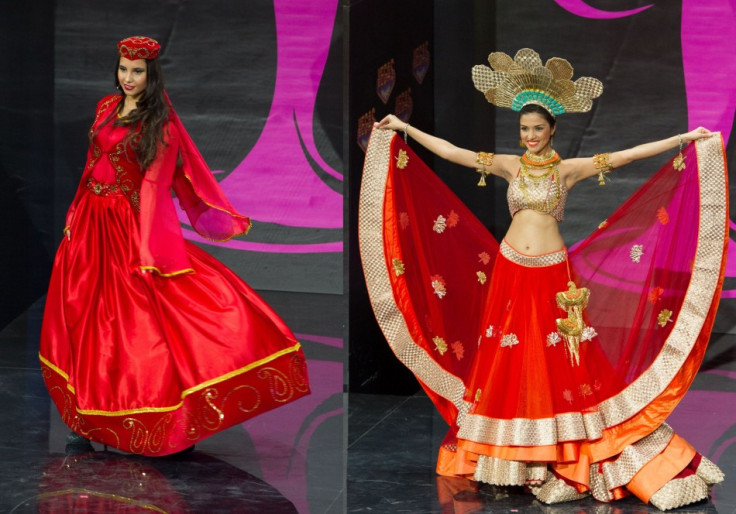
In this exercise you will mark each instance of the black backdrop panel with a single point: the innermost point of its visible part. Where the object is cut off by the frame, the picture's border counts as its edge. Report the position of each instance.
(28, 233)
(382, 78)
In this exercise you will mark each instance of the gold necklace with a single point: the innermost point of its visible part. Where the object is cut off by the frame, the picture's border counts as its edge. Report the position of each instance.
(541, 160)
(547, 164)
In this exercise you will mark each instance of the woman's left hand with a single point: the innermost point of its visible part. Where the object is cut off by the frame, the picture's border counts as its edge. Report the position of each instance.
(698, 133)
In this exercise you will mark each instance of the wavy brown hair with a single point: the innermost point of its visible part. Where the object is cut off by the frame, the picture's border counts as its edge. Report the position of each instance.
(147, 121)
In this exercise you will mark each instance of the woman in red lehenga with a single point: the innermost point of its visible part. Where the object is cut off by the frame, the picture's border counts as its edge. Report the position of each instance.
(539, 390)
(148, 343)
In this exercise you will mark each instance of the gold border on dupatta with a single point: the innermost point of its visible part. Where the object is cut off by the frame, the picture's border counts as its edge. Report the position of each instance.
(566, 427)
(370, 239)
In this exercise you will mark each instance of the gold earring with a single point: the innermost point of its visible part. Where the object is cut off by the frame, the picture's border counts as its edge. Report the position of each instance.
(521, 143)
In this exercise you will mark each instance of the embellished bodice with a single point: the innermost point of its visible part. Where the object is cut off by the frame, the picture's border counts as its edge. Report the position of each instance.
(108, 143)
(538, 187)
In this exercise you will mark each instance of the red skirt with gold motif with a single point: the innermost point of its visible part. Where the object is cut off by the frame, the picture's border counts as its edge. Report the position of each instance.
(151, 364)
(477, 323)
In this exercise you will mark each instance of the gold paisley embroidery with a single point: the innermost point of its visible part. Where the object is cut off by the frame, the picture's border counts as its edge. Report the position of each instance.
(402, 160)
(440, 224)
(509, 340)
(398, 267)
(438, 284)
(439, 344)
(636, 252)
(664, 317)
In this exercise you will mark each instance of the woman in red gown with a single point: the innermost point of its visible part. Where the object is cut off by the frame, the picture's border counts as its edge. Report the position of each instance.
(148, 343)
(555, 370)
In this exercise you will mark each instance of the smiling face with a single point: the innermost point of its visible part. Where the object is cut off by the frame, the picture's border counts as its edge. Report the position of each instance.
(132, 76)
(535, 132)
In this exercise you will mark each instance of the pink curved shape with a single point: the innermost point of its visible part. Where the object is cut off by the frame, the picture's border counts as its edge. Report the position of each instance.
(253, 246)
(275, 182)
(708, 31)
(580, 8)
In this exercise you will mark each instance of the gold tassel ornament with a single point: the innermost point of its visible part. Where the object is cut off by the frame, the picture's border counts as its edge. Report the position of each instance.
(573, 301)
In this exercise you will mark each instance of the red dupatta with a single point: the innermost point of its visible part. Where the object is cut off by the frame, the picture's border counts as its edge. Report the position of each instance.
(162, 247)
(654, 269)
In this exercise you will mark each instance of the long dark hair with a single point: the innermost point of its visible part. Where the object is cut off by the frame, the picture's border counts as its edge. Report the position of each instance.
(147, 120)
(538, 109)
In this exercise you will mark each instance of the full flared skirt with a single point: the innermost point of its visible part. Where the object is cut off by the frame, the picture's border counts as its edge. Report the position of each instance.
(477, 324)
(152, 364)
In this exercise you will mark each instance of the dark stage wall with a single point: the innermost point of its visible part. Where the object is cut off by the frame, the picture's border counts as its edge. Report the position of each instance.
(28, 235)
(389, 69)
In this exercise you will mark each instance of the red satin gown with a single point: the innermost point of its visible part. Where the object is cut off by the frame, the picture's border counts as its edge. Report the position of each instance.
(150, 363)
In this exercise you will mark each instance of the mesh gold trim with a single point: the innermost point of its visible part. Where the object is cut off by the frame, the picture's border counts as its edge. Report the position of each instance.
(388, 315)
(615, 410)
(532, 261)
(492, 470)
(684, 491)
(555, 490)
(531, 432)
(630, 461)
(679, 492)
(709, 472)
(702, 287)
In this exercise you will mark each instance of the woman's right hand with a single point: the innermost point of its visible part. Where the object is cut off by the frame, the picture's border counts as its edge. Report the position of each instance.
(390, 122)
(68, 234)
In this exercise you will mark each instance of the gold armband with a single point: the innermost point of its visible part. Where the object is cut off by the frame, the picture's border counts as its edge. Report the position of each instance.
(601, 162)
(485, 160)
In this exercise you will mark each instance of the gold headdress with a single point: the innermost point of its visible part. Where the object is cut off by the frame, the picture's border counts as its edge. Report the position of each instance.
(523, 80)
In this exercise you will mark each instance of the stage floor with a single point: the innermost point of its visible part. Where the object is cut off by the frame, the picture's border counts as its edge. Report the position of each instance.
(292, 459)
(287, 460)
(393, 443)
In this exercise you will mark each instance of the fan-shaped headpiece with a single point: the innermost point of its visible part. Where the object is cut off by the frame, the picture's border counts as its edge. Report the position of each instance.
(523, 80)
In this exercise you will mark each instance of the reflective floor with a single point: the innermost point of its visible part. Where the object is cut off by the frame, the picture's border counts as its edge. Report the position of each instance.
(284, 461)
(393, 442)
(292, 459)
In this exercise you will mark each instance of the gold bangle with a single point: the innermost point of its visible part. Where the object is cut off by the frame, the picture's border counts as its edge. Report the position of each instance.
(484, 159)
(601, 162)
(679, 161)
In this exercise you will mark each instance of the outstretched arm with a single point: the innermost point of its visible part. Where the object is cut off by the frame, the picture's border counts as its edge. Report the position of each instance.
(581, 168)
(499, 164)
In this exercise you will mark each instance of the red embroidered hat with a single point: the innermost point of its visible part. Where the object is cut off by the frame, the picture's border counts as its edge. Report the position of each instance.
(138, 47)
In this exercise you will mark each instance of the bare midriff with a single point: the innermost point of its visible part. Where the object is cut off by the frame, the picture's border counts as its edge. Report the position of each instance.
(534, 233)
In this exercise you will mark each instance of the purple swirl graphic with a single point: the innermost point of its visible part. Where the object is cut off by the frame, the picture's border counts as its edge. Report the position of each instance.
(580, 8)
(279, 181)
